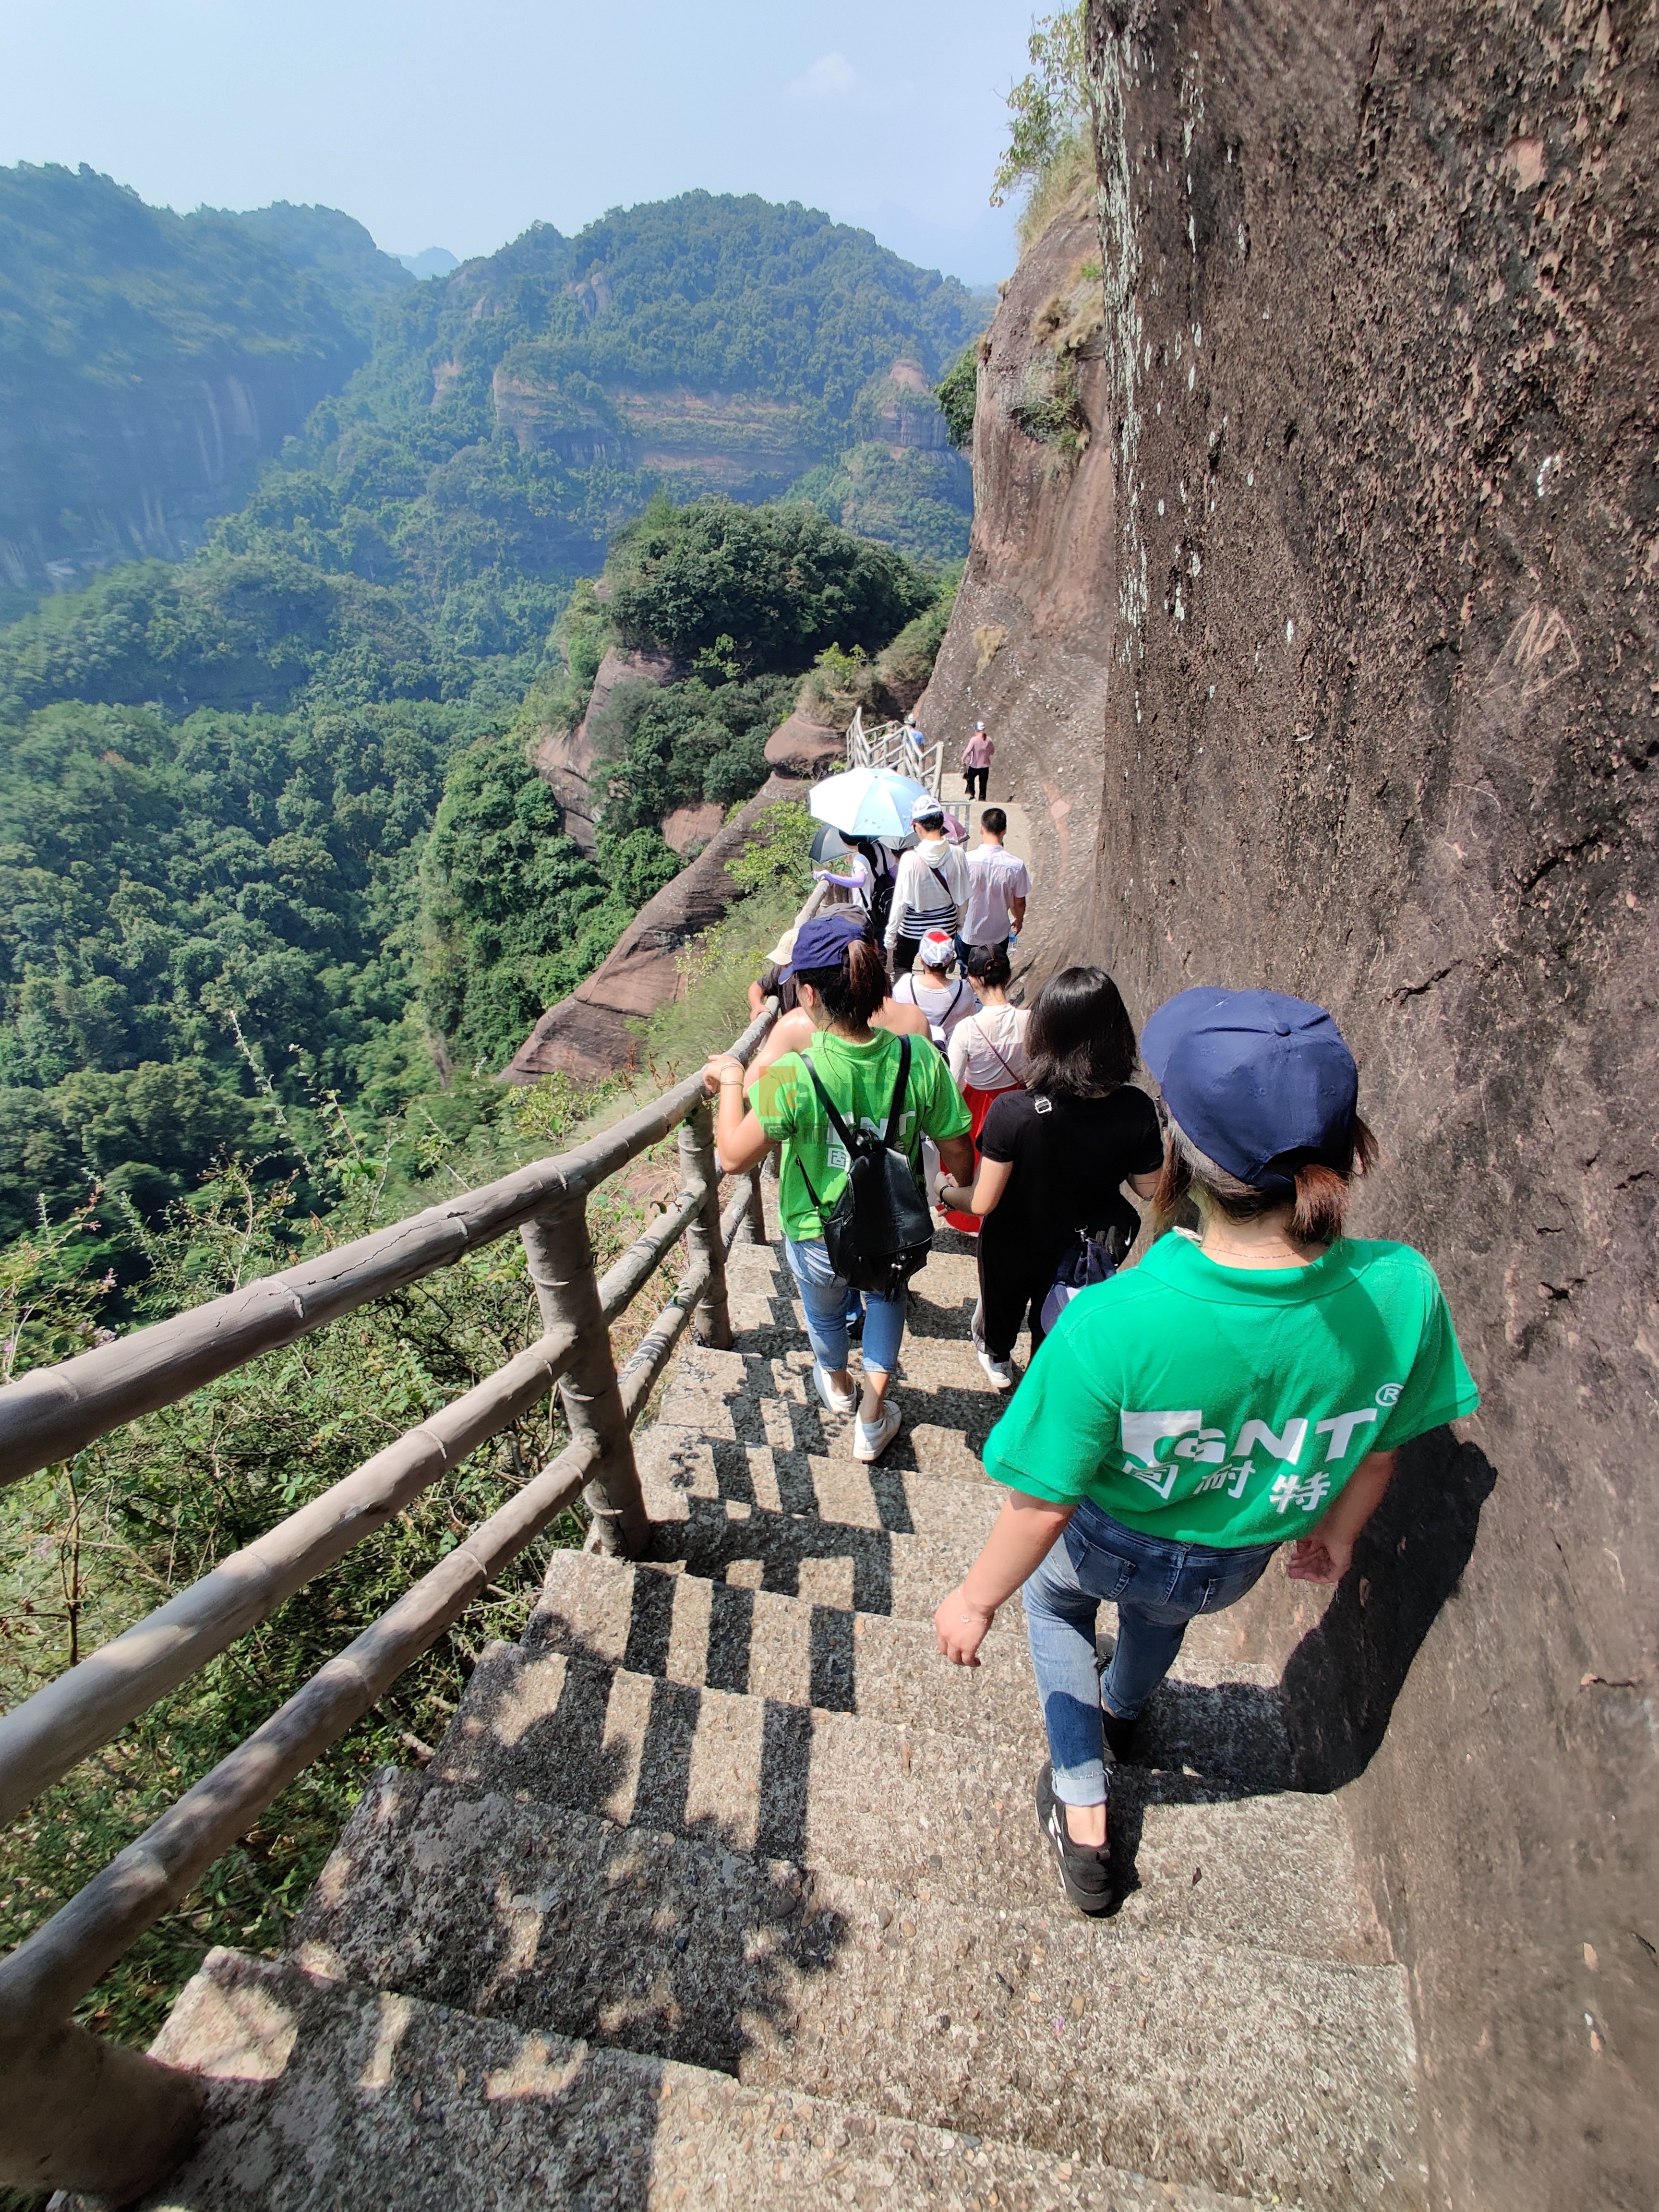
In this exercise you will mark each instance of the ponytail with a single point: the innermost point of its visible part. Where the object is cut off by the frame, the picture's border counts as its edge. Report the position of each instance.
(1322, 1189)
(854, 989)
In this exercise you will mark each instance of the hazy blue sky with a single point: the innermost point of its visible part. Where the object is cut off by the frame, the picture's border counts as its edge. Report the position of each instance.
(440, 125)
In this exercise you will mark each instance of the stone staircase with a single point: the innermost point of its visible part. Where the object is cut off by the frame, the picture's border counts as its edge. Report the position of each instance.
(724, 1890)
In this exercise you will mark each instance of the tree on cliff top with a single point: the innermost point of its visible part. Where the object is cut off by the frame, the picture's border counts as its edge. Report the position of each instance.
(1049, 111)
(764, 587)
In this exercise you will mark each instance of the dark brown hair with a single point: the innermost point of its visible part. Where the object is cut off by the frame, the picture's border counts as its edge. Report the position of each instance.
(1080, 1040)
(1323, 1187)
(854, 988)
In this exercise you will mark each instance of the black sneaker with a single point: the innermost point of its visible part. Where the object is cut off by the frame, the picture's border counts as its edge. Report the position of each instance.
(1084, 1874)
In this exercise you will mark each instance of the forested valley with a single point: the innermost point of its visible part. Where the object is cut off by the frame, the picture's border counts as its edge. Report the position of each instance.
(271, 848)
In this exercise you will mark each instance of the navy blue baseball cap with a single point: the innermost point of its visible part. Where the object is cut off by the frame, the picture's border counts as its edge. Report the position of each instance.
(1262, 1082)
(823, 942)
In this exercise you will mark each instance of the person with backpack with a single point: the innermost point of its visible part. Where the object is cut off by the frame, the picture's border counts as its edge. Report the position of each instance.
(944, 999)
(931, 886)
(1053, 1159)
(987, 1053)
(850, 1112)
(881, 860)
(1246, 1388)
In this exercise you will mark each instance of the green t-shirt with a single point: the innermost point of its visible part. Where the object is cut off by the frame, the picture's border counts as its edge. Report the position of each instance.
(1228, 1406)
(861, 1079)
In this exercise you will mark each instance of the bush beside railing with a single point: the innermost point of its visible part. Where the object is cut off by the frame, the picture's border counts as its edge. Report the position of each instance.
(78, 2112)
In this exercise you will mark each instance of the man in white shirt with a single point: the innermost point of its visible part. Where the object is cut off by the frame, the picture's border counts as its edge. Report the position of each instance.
(930, 889)
(998, 888)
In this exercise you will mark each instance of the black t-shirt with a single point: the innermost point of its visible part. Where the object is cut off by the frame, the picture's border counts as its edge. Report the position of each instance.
(1069, 1157)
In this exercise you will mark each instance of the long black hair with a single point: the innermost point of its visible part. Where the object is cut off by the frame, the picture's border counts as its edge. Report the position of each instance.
(1081, 1042)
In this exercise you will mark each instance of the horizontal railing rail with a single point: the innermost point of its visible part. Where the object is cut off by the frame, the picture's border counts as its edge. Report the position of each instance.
(897, 746)
(79, 2113)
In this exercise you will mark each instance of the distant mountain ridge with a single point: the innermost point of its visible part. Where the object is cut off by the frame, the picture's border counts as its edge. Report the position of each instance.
(707, 342)
(149, 361)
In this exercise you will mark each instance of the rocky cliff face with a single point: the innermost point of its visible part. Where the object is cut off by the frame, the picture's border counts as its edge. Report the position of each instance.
(1311, 601)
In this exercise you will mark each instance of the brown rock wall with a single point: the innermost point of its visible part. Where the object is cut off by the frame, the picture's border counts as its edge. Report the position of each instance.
(1323, 649)
(564, 758)
(591, 1032)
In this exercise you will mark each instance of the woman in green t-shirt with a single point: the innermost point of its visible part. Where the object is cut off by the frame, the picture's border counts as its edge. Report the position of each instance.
(1243, 1387)
(841, 982)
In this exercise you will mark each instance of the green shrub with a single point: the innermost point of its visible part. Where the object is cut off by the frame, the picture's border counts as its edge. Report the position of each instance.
(957, 394)
(770, 585)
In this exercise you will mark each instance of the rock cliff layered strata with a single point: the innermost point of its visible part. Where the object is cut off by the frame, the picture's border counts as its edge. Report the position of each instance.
(1311, 601)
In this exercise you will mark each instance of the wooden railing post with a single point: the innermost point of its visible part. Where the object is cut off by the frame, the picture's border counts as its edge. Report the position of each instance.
(561, 1260)
(77, 2113)
(754, 1214)
(711, 1323)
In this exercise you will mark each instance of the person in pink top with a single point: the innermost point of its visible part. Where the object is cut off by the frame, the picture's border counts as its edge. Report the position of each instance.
(976, 762)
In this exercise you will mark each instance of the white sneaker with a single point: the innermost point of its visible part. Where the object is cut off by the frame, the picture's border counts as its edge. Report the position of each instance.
(1000, 1371)
(870, 1441)
(837, 1402)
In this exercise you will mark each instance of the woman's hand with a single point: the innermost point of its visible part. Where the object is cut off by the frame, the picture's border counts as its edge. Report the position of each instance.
(722, 1068)
(961, 1628)
(1319, 1559)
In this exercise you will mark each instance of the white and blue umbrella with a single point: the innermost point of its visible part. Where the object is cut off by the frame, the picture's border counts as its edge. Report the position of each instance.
(867, 802)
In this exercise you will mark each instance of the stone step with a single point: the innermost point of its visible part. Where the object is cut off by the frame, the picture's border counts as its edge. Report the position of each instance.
(923, 1810)
(322, 2096)
(790, 1458)
(1192, 2062)
(840, 1563)
(732, 1424)
(1221, 1720)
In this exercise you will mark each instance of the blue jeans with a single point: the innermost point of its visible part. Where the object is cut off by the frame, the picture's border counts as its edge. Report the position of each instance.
(1157, 1587)
(831, 1304)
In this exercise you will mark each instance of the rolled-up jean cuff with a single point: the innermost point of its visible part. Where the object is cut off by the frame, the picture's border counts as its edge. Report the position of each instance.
(1082, 1785)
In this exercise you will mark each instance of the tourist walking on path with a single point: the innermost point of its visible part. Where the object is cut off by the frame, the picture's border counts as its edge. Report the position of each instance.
(998, 888)
(933, 986)
(987, 1053)
(1053, 1159)
(841, 981)
(932, 888)
(1246, 1386)
(977, 762)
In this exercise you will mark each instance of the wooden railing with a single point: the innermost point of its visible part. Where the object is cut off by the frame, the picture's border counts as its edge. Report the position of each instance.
(895, 745)
(80, 2113)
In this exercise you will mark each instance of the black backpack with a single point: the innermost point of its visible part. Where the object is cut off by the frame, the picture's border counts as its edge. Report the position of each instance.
(879, 1232)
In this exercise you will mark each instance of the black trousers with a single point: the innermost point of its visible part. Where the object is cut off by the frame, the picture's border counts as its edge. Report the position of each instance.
(1011, 1285)
(972, 776)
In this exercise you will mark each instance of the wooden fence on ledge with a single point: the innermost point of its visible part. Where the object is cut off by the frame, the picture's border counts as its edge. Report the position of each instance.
(75, 2112)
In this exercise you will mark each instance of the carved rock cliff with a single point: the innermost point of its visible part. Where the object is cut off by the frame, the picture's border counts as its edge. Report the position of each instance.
(1311, 605)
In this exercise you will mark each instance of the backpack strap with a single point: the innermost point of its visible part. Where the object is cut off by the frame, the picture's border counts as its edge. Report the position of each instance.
(831, 1109)
(895, 1112)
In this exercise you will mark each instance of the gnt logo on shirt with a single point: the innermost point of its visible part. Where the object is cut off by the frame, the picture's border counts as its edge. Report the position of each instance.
(1193, 1444)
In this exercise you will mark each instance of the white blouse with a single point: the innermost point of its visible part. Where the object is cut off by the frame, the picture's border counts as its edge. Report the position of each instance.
(987, 1050)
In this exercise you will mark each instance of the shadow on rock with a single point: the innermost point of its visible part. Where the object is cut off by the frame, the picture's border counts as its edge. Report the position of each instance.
(1341, 1682)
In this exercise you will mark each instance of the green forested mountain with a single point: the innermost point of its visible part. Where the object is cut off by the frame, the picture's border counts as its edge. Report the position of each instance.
(149, 360)
(269, 829)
